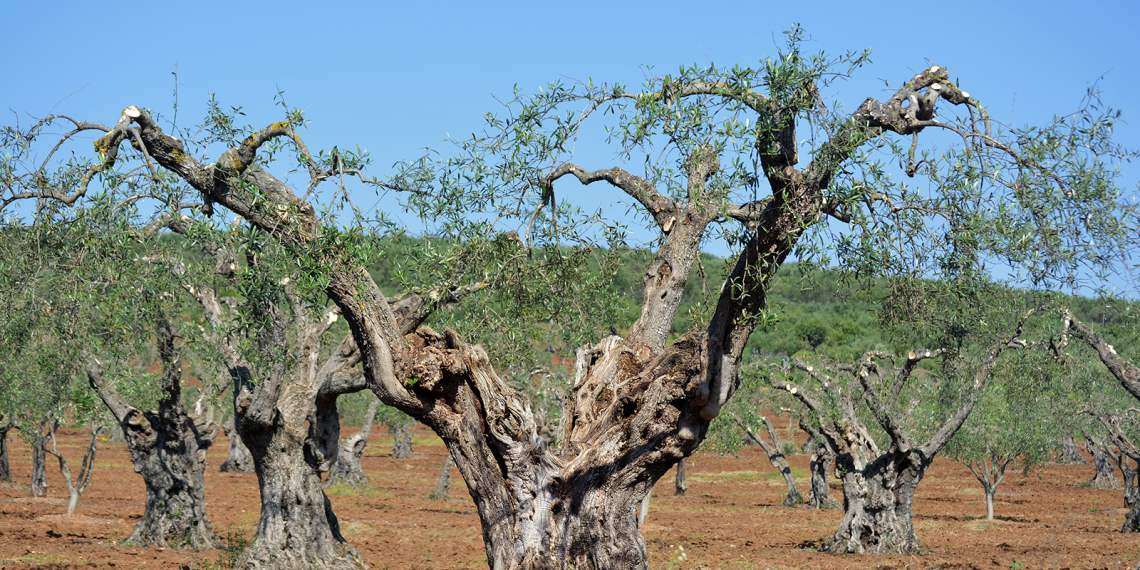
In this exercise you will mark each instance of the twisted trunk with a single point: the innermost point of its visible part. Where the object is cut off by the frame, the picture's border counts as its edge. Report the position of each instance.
(878, 503)
(1104, 478)
(168, 448)
(821, 466)
(1070, 453)
(639, 404)
(879, 485)
(293, 431)
(347, 470)
(238, 459)
(819, 495)
(297, 528)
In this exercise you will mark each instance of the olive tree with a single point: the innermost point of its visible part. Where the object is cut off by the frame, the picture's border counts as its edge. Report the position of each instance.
(168, 446)
(722, 150)
(880, 478)
(1012, 425)
(1126, 373)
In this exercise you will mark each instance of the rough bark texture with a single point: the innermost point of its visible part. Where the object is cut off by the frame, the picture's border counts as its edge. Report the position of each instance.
(821, 466)
(347, 471)
(292, 431)
(39, 465)
(638, 404)
(680, 485)
(442, 490)
(1105, 477)
(879, 485)
(1070, 453)
(168, 448)
(289, 422)
(878, 504)
(238, 459)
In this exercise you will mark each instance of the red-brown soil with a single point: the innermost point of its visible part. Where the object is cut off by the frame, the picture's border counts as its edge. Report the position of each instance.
(728, 520)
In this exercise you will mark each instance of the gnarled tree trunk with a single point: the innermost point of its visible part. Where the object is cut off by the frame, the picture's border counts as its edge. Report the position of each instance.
(292, 430)
(1105, 477)
(39, 462)
(878, 504)
(238, 459)
(1070, 453)
(347, 470)
(879, 485)
(168, 448)
(639, 404)
(821, 466)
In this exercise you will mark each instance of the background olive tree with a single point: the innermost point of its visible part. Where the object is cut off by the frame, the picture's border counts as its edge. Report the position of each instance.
(753, 155)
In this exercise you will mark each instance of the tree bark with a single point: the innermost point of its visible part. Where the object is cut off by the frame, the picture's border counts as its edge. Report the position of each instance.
(1105, 477)
(777, 459)
(638, 405)
(401, 441)
(293, 432)
(5, 471)
(990, 473)
(76, 486)
(680, 485)
(347, 470)
(168, 448)
(878, 504)
(39, 463)
(1070, 453)
(442, 490)
(238, 459)
(821, 466)
(879, 485)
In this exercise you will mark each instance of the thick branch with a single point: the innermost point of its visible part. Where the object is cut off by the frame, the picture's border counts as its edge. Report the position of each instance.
(662, 209)
(1127, 373)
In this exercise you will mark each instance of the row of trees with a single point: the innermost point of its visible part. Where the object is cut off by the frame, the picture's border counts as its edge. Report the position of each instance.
(269, 266)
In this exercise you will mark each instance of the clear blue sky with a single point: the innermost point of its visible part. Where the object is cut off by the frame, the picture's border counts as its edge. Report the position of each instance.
(396, 77)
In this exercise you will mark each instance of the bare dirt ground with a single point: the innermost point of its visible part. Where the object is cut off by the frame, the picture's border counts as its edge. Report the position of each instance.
(729, 519)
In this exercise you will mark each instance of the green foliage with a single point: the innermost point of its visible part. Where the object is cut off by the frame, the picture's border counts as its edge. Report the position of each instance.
(1014, 418)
